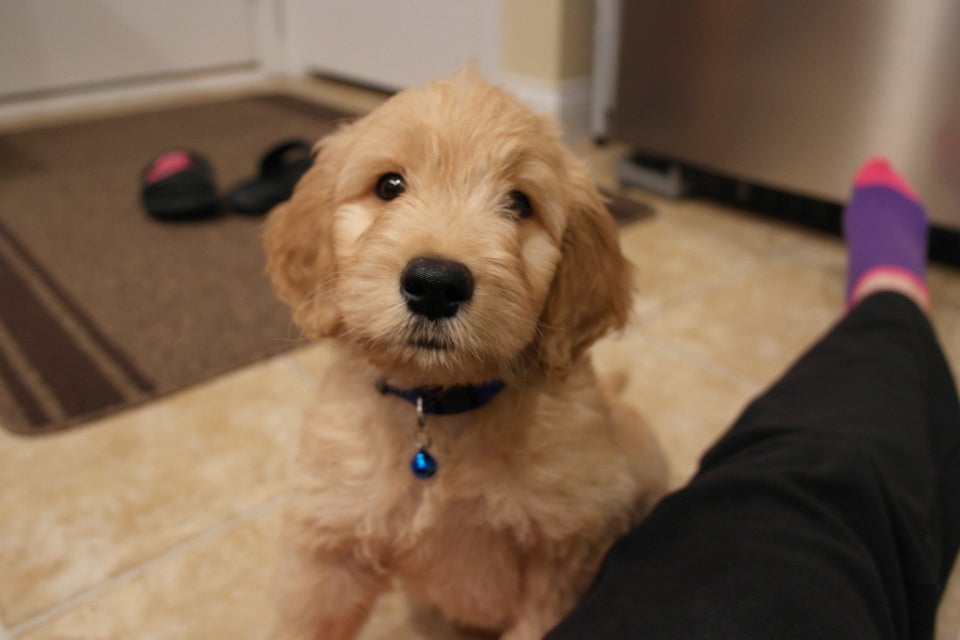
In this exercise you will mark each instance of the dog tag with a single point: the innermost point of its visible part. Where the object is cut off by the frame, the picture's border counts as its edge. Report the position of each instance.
(423, 464)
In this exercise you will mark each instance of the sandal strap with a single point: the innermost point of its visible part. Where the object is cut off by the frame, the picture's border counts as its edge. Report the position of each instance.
(280, 156)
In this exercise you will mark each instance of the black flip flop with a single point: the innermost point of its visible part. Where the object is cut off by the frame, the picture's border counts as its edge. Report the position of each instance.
(179, 185)
(280, 169)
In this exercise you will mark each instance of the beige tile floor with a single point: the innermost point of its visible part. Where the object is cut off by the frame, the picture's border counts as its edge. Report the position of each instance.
(161, 523)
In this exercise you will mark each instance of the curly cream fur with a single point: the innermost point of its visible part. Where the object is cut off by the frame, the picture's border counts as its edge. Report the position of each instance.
(533, 487)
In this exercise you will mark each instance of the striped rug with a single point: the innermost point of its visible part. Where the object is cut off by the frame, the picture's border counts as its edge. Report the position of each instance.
(102, 307)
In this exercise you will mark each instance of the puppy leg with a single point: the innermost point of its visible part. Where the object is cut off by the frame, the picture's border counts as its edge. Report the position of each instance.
(325, 598)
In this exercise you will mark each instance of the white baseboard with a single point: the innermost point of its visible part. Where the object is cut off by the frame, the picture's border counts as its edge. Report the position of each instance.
(121, 94)
(568, 102)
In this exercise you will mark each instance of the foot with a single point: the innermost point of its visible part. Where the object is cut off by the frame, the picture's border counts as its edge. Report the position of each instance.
(885, 228)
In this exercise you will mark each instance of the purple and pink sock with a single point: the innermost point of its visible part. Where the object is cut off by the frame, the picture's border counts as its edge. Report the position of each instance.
(885, 228)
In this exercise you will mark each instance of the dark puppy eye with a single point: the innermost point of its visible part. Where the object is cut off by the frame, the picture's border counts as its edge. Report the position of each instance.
(390, 185)
(519, 204)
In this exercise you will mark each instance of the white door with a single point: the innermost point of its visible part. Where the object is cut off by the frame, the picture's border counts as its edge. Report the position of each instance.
(48, 45)
(395, 43)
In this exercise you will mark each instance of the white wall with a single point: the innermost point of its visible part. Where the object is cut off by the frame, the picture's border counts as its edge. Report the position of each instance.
(395, 44)
(56, 54)
(58, 45)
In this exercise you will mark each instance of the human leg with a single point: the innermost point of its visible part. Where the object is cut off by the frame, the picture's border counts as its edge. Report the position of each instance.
(830, 509)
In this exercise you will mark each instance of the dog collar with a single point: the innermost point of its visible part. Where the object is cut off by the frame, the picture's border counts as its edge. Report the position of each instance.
(444, 401)
(439, 401)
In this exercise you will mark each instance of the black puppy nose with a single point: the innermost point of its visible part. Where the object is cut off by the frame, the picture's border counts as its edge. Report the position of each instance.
(436, 288)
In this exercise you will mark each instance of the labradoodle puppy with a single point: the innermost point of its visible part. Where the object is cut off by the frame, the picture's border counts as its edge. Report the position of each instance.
(463, 262)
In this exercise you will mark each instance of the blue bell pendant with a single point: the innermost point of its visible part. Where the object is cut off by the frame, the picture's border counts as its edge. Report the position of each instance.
(423, 464)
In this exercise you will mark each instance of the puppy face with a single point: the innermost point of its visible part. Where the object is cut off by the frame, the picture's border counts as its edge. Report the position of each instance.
(452, 238)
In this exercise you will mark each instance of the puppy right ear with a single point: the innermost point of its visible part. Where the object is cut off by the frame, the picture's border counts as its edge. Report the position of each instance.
(299, 244)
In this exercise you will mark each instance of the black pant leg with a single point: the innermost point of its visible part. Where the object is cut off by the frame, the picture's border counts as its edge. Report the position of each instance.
(831, 509)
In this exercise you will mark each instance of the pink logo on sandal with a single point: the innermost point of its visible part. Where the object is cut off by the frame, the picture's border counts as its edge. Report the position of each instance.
(168, 164)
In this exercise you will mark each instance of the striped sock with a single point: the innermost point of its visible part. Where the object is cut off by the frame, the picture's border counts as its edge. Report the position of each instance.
(885, 228)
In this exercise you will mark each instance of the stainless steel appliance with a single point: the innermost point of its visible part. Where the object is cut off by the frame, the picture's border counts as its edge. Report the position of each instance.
(793, 96)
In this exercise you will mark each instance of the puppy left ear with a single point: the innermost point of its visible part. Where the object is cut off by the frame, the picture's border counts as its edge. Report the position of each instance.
(592, 287)
(298, 238)
(470, 71)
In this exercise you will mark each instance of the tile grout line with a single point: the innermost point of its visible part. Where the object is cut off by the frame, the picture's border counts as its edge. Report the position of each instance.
(674, 348)
(92, 593)
(670, 346)
(752, 264)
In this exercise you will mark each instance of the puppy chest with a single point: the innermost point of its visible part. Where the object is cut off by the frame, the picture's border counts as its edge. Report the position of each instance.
(471, 573)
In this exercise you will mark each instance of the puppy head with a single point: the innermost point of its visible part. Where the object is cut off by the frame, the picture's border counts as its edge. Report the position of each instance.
(452, 238)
